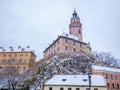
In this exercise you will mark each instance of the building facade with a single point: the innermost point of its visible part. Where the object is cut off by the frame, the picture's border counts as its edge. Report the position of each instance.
(69, 42)
(23, 60)
(75, 82)
(112, 76)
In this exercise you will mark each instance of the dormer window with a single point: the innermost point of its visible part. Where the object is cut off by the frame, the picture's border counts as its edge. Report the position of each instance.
(85, 80)
(63, 79)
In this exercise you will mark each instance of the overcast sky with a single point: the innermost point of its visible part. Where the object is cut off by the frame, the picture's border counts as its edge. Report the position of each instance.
(38, 22)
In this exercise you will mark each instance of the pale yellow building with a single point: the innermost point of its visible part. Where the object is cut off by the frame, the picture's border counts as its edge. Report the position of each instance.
(69, 42)
(23, 60)
(75, 82)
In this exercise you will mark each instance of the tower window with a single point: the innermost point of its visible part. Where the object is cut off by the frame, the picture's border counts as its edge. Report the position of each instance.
(79, 32)
(74, 31)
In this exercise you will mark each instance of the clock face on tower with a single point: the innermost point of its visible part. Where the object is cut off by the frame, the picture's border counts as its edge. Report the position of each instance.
(74, 31)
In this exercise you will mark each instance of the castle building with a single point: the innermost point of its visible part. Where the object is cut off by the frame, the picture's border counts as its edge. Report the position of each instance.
(112, 76)
(69, 42)
(23, 60)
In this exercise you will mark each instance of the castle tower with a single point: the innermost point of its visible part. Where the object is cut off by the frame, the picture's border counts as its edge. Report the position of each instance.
(75, 27)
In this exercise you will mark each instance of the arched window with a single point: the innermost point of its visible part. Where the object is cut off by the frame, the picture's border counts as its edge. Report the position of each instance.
(61, 88)
(113, 85)
(108, 84)
(118, 86)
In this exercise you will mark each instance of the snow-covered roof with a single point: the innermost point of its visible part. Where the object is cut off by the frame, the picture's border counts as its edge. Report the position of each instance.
(69, 36)
(96, 80)
(106, 69)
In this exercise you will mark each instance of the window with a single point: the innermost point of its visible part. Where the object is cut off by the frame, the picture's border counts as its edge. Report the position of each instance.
(20, 60)
(74, 50)
(3, 61)
(77, 88)
(61, 89)
(113, 85)
(95, 88)
(65, 47)
(111, 77)
(26, 55)
(79, 32)
(54, 45)
(66, 41)
(87, 88)
(10, 55)
(13, 60)
(50, 88)
(74, 31)
(118, 86)
(74, 43)
(106, 76)
(25, 61)
(108, 85)
(15, 55)
(21, 55)
(116, 77)
(18, 67)
(84, 79)
(1, 67)
(57, 48)
(23, 68)
(8, 61)
(80, 45)
(4, 55)
(69, 89)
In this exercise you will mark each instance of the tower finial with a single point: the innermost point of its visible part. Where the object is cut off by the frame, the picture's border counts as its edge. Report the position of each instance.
(74, 13)
(74, 10)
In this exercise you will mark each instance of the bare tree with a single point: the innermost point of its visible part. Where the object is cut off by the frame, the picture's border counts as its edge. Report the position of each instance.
(10, 73)
(105, 58)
